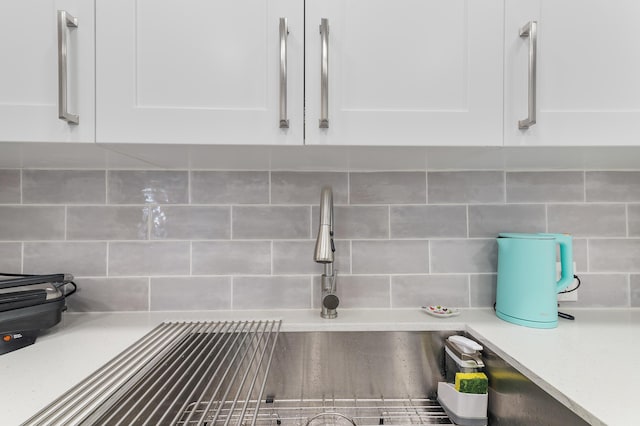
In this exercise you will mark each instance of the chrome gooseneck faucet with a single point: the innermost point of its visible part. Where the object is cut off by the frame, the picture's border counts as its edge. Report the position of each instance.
(324, 254)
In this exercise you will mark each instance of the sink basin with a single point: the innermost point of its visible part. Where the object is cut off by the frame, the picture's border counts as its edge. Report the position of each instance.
(369, 377)
(398, 372)
(249, 373)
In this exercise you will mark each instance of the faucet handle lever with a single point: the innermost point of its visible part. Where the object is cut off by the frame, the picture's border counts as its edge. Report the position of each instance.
(331, 301)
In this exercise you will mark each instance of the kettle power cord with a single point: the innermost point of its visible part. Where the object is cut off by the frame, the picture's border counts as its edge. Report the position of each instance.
(573, 289)
(562, 314)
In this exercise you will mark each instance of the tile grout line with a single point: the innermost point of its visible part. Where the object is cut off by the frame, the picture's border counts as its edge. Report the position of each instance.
(107, 259)
(467, 219)
(189, 197)
(106, 187)
(269, 186)
(351, 257)
(626, 219)
(504, 186)
(426, 183)
(546, 217)
(587, 266)
(21, 184)
(389, 222)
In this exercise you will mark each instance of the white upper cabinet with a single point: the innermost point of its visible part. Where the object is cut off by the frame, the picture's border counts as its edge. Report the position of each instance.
(199, 71)
(37, 45)
(404, 72)
(587, 72)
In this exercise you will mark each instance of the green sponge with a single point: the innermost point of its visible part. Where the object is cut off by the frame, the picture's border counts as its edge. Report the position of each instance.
(472, 382)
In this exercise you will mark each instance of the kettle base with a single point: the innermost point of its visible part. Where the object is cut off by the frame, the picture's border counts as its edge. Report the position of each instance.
(527, 323)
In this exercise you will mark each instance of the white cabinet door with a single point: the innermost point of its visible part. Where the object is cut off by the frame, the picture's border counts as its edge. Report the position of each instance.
(198, 71)
(29, 75)
(406, 72)
(588, 72)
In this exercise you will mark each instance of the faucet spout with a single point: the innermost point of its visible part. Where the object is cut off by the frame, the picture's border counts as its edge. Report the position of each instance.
(324, 254)
(324, 243)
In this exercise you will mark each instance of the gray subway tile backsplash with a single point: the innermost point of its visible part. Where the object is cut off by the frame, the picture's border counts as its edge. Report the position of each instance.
(390, 257)
(190, 222)
(464, 256)
(411, 291)
(388, 188)
(11, 258)
(580, 254)
(201, 240)
(356, 222)
(614, 255)
(229, 187)
(63, 186)
(466, 187)
(602, 290)
(26, 223)
(296, 258)
(616, 186)
(490, 220)
(79, 258)
(428, 221)
(110, 294)
(633, 218)
(358, 291)
(148, 258)
(271, 222)
(147, 187)
(635, 291)
(545, 187)
(271, 293)
(231, 257)
(9, 186)
(190, 293)
(108, 222)
(305, 187)
(482, 290)
(588, 220)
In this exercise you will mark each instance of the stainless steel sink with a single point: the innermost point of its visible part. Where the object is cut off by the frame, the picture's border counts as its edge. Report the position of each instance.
(215, 373)
(370, 378)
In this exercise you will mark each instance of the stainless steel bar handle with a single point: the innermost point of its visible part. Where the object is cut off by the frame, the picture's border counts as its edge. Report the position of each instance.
(64, 20)
(284, 31)
(324, 73)
(531, 30)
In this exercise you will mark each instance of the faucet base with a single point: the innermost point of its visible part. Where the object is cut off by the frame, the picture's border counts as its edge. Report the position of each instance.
(329, 315)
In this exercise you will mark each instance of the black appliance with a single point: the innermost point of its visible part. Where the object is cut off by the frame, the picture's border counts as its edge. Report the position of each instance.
(29, 304)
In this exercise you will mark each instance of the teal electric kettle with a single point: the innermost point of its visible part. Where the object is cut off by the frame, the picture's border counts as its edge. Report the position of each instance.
(527, 288)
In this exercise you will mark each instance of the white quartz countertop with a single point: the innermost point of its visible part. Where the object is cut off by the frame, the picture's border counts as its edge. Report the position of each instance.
(588, 364)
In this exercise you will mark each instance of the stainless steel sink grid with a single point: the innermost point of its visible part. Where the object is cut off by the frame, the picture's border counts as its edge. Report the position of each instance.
(361, 412)
(177, 364)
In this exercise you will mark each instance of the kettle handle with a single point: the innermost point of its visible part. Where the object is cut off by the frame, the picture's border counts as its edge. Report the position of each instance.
(566, 261)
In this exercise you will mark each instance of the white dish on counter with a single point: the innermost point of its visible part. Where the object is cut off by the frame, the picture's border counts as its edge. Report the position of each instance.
(440, 311)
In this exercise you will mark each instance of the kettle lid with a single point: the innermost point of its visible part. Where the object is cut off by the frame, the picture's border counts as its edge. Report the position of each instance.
(527, 236)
